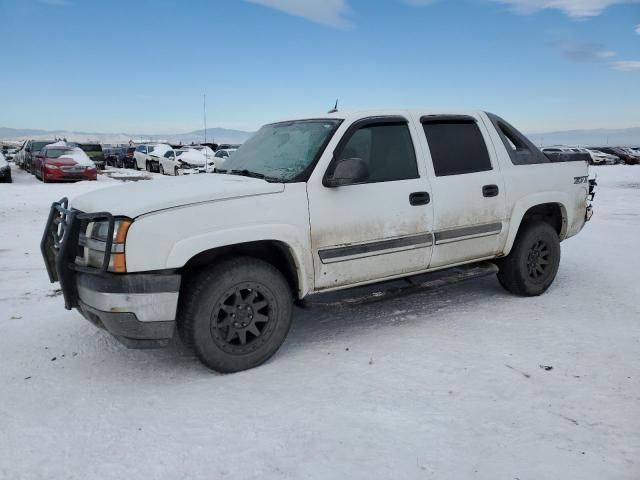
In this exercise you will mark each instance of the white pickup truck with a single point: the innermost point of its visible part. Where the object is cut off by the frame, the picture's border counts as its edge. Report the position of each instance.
(308, 206)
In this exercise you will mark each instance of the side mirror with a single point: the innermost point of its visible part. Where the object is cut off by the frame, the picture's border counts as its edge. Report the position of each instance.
(347, 171)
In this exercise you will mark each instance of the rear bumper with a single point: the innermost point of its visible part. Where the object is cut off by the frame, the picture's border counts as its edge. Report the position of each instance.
(137, 309)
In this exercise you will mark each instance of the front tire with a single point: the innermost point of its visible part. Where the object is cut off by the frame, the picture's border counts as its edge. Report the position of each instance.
(161, 170)
(531, 267)
(236, 314)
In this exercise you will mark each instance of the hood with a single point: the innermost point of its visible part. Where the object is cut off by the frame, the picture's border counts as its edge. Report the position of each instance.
(135, 199)
(193, 157)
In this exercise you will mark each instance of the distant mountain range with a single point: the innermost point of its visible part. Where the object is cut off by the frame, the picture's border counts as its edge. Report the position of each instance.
(594, 137)
(217, 135)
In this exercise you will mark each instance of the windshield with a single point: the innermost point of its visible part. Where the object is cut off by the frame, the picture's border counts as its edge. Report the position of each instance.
(282, 151)
(57, 152)
(37, 146)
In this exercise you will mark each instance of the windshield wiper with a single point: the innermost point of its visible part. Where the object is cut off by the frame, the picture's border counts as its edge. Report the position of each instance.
(249, 173)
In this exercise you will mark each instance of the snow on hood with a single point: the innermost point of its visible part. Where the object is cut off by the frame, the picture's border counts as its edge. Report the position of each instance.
(159, 149)
(135, 199)
(193, 157)
(78, 156)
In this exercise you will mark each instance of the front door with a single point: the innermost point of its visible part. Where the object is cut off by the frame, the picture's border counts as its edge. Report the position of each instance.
(380, 228)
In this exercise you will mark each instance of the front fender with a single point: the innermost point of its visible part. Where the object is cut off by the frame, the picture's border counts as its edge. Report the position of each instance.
(186, 249)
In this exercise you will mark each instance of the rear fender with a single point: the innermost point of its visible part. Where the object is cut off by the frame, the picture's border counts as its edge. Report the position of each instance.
(524, 204)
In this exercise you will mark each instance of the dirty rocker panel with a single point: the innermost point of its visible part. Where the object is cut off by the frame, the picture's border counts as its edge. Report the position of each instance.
(458, 234)
(352, 252)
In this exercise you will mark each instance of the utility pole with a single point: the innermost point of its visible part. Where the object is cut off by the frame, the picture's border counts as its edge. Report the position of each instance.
(204, 110)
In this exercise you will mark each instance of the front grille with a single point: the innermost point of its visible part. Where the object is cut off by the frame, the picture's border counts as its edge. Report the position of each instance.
(60, 246)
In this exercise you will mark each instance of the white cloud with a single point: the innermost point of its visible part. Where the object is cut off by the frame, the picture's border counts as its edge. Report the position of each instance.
(327, 12)
(638, 29)
(573, 8)
(577, 50)
(626, 65)
(335, 13)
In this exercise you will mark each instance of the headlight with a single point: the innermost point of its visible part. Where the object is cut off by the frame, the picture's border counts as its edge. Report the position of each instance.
(95, 243)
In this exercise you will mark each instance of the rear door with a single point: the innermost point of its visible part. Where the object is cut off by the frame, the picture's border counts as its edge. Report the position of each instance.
(377, 229)
(467, 189)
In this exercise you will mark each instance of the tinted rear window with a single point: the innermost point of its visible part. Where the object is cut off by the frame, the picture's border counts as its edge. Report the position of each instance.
(457, 147)
(91, 148)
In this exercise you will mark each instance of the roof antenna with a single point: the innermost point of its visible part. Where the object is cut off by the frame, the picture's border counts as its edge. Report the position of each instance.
(334, 109)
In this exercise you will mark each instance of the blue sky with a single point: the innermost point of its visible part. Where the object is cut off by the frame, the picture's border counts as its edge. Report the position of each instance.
(142, 66)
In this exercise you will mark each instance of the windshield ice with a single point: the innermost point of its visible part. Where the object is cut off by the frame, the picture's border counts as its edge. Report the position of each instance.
(283, 150)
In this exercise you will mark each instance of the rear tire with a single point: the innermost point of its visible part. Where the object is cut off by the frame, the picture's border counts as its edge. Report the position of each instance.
(236, 314)
(531, 267)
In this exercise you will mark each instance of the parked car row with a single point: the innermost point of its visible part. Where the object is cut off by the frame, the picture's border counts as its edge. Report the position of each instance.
(8, 152)
(601, 155)
(5, 170)
(63, 162)
(35, 157)
(180, 159)
(60, 161)
(26, 155)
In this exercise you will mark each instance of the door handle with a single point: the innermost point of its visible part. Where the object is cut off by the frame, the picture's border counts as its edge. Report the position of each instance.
(419, 198)
(490, 191)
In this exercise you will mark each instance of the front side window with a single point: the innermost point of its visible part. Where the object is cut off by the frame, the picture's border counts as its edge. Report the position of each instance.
(283, 151)
(457, 147)
(387, 150)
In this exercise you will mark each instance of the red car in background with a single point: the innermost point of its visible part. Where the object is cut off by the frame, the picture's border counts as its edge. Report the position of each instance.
(63, 163)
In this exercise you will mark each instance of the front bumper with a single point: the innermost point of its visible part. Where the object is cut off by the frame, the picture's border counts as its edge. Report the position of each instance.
(138, 309)
(70, 175)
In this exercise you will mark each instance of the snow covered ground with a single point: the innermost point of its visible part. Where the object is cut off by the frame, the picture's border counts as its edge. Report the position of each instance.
(442, 384)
